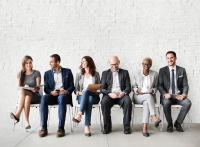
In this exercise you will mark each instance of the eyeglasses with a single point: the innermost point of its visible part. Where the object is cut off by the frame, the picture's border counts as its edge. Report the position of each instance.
(146, 64)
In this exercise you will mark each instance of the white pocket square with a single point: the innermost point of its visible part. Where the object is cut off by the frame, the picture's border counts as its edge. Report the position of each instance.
(180, 76)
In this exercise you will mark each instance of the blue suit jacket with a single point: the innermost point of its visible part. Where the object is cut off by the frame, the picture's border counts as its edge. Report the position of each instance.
(67, 79)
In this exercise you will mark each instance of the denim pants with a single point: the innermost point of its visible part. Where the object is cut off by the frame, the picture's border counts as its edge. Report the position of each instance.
(86, 101)
(46, 100)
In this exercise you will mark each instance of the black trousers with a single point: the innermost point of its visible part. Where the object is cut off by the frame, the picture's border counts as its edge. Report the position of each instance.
(106, 105)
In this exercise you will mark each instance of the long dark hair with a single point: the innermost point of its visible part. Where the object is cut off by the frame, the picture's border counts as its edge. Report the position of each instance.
(90, 65)
(23, 70)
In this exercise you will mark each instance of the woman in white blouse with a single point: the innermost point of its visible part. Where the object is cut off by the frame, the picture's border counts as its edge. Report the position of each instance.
(85, 97)
(145, 87)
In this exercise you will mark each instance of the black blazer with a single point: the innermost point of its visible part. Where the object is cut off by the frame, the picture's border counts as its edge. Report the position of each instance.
(67, 79)
(107, 81)
(164, 80)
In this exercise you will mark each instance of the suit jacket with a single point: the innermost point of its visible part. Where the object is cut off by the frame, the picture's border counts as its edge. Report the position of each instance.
(80, 79)
(67, 79)
(164, 80)
(138, 81)
(107, 81)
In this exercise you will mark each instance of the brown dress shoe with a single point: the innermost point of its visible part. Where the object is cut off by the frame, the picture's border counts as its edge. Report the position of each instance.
(60, 133)
(43, 133)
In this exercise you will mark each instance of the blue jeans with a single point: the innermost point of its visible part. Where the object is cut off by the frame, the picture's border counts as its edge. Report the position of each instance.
(86, 101)
(46, 100)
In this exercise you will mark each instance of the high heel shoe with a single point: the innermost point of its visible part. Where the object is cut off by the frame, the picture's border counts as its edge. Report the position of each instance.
(77, 118)
(12, 116)
(28, 127)
(87, 132)
(157, 122)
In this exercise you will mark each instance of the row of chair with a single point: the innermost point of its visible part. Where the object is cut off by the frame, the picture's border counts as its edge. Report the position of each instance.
(72, 111)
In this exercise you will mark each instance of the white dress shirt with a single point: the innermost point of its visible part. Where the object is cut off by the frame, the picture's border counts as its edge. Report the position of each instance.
(115, 86)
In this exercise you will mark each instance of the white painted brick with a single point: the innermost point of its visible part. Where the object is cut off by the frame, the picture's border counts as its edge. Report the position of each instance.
(131, 29)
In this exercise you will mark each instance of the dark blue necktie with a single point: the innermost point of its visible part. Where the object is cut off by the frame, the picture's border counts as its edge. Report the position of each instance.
(173, 82)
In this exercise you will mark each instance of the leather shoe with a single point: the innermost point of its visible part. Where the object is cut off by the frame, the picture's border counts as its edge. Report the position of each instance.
(107, 131)
(60, 133)
(127, 131)
(43, 133)
(170, 128)
(178, 127)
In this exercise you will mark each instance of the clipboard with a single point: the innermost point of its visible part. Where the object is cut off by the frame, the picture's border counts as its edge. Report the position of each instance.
(94, 87)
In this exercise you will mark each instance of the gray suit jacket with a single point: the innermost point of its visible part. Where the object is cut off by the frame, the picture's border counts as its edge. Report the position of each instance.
(138, 81)
(164, 80)
(107, 81)
(80, 79)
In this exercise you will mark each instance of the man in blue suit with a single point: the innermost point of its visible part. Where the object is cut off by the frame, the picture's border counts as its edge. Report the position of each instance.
(58, 88)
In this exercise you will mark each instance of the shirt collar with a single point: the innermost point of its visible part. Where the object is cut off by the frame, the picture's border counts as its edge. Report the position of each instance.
(170, 68)
(59, 71)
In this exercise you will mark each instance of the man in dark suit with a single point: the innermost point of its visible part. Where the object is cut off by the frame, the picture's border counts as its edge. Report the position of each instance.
(58, 87)
(116, 88)
(173, 87)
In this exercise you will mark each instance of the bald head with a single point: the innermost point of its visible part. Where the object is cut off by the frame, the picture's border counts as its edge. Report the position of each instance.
(114, 63)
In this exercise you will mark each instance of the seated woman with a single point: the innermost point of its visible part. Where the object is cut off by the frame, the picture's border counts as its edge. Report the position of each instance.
(85, 97)
(29, 81)
(145, 88)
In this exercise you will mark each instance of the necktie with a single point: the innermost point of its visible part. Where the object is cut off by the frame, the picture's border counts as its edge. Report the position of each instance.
(173, 82)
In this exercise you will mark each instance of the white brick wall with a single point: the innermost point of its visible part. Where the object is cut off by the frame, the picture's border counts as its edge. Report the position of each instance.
(131, 29)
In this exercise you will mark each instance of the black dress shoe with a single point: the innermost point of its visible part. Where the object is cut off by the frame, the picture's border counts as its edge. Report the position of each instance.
(157, 123)
(60, 133)
(127, 131)
(145, 134)
(88, 134)
(170, 128)
(107, 131)
(178, 127)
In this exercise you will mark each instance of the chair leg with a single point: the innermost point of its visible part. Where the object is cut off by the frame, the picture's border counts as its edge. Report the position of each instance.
(70, 118)
(48, 116)
(100, 118)
(190, 120)
(132, 118)
(163, 119)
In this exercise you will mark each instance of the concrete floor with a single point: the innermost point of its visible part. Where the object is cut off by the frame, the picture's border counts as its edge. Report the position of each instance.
(20, 138)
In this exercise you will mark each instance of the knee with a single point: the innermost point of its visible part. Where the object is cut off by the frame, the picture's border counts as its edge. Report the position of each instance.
(62, 100)
(145, 104)
(105, 101)
(127, 101)
(149, 96)
(187, 103)
(166, 103)
(44, 99)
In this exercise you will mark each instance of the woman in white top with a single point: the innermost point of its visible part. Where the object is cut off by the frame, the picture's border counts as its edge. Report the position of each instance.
(145, 88)
(85, 97)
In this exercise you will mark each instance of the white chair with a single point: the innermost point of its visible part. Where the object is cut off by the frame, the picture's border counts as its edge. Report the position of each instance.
(175, 107)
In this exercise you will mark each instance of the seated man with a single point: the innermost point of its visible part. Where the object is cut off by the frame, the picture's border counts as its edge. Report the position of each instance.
(173, 87)
(58, 86)
(116, 88)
